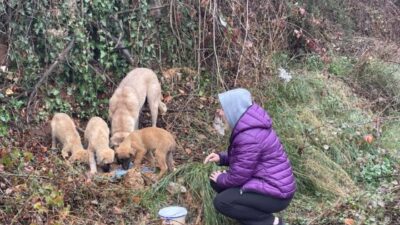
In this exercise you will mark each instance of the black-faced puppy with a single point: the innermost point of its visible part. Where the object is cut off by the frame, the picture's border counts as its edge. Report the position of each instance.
(139, 142)
(64, 130)
(128, 99)
(97, 136)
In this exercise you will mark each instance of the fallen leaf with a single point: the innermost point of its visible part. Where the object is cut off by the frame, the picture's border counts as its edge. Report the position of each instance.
(202, 136)
(136, 199)
(1, 168)
(248, 44)
(94, 202)
(182, 91)
(349, 221)
(8, 191)
(204, 3)
(302, 11)
(88, 181)
(369, 138)
(188, 151)
(298, 33)
(9, 91)
(175, 188)
(316, 21)
(168, 99)
(43, 148)
(20, 188)
(37, 205)
(117, 210)
(28, 169)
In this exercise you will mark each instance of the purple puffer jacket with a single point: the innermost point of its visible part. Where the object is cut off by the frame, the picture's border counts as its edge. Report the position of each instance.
(256, 158)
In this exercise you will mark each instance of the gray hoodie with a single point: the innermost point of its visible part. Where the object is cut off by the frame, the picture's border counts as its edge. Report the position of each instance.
(234, 103)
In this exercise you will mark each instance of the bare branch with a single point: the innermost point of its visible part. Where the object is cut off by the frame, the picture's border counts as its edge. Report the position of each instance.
(123, 49)
(244, 42)
(214, 45)
(61, 58)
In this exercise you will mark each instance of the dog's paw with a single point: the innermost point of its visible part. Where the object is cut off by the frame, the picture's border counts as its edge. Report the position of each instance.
(80, 156)
(162, 108)
(65, 155)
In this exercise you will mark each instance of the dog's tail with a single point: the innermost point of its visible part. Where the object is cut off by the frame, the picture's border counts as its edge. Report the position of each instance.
(170, 161)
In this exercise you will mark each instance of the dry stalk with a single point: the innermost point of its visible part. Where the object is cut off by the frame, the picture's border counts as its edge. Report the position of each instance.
(244, 41)
(214, 45)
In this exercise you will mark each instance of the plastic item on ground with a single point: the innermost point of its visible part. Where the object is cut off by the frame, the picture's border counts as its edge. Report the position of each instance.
(173, 215)
(119, 173)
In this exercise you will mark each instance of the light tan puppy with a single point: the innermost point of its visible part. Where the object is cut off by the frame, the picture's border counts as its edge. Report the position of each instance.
(63, 129)
(128, 99)
(97, 136)
(139, 142)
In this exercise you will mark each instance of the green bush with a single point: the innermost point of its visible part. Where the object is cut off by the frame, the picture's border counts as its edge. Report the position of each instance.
(379, 81)
(340, 66)
(40, 31)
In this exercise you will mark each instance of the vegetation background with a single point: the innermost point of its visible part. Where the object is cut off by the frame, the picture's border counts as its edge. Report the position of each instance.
(327, 72)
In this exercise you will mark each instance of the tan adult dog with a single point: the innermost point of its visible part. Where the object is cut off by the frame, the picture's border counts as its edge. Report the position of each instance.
(97, 136)
(128, 99)
(139, 142)
(63, 129)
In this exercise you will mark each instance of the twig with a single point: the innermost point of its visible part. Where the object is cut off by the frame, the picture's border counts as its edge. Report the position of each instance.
(60, 58)
(101, 73)
(244, 42)
(335, 206)
(198, 219)
(123, 49)
(22, 175)
(214, 45)
(15, 218)
(119, 41)
(135, 9)
(199, 39)
(392, 61)
(171, 22)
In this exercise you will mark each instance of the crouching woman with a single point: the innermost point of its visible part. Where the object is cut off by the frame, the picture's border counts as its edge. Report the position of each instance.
(260, 180)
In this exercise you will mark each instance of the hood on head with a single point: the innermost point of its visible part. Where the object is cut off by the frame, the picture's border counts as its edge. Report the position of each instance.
(234, 103)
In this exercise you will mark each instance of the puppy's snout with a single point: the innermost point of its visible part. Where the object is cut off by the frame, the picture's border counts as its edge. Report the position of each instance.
(125, 163)
(118, 159)
(106, 168)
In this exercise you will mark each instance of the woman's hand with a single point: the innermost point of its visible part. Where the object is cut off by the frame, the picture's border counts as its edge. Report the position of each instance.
(214, 175)
(213, 157)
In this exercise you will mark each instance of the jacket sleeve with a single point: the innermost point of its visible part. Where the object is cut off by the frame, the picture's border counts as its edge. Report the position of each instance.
(223, 159)
(242, 163)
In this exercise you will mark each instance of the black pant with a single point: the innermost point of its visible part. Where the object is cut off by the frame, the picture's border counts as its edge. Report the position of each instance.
(248, 208)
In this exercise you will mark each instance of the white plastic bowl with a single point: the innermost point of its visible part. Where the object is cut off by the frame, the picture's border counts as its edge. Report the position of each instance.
(173, 215)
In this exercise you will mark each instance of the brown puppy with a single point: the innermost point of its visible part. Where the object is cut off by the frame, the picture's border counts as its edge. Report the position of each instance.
(63, 129)
(128, 99)
(151, 138)
(97, 136)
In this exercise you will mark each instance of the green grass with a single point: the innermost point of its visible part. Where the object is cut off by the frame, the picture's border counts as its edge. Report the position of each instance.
(195, 177)
(379, 81)
(321, 124)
